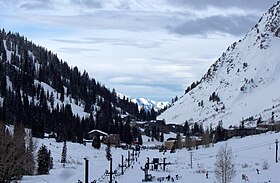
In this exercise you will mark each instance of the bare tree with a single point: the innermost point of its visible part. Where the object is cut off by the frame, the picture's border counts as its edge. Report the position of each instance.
(188, 142)
(179, 141)
(224, 166)
(206, 138)
(13, 155)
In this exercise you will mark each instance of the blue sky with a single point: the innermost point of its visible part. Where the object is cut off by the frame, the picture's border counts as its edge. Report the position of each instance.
(142, 48)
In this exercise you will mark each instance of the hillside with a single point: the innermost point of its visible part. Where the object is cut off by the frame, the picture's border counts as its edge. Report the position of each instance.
(46, 94)
(242, 85)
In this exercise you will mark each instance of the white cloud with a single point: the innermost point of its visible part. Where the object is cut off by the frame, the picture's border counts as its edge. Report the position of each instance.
(231, 24)
(142, 48)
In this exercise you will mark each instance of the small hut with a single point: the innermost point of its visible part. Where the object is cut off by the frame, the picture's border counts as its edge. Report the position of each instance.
(97, 133)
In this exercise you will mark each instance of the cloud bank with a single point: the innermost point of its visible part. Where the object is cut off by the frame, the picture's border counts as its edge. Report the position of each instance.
(142, 48)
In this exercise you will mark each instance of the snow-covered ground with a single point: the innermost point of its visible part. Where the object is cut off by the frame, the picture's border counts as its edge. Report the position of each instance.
(250, 153)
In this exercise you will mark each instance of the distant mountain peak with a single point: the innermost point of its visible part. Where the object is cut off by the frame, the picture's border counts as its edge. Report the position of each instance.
(149, 104)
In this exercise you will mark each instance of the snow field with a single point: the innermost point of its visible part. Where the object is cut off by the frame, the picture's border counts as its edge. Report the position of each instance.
(250, 153)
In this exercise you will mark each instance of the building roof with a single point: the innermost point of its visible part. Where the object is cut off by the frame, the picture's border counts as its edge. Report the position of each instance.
(97, 132)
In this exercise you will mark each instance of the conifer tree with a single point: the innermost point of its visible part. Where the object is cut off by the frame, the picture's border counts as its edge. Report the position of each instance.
(186, 128)
(43, 160)
(30, 161)
(62, 94)
(140, 140)
(108, 151)
(219, 133)
(19, 139)
(161, 137)
(52, 99)
(128, 138)
(64, 153)
(96, 142)
(51, 160)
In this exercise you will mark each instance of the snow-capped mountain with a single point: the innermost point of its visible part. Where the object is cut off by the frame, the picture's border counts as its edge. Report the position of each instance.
(149, 104)
(243, 84)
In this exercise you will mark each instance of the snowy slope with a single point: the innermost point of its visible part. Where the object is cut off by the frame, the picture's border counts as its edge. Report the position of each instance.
(149, 104)
(245, 78)
(246, 161)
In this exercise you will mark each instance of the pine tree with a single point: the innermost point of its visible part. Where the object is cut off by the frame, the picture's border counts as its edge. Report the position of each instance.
(64, 153)
(154, 132)
(62, 94)
(162, 137)
(134, 132)
(121, 130)
(52, 99)
(30, 161)
(153, 114)
(51, 160)
(4, 56)
(140, 139)
(128, 138)
(147, 131)
(195, 129)
(108, 151)
(186, 128)
(19, 135)
(219, 133)
(96, 142)
(272, 117)
(43, 160)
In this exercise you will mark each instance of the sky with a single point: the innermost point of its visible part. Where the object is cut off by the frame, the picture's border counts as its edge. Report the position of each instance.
(141, 48)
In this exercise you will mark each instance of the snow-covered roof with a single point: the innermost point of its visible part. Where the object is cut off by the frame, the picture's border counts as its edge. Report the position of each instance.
(98, 132)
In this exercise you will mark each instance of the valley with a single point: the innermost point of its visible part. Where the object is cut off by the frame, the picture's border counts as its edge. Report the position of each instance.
(60, 124)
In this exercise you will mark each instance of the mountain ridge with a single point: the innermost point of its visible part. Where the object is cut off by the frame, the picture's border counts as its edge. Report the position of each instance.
(149, 104)
(234, 86)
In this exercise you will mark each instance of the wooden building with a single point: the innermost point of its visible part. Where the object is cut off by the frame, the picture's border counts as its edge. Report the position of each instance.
(94, 133)
(113, 139)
